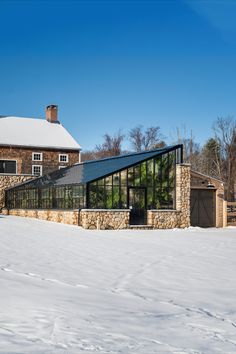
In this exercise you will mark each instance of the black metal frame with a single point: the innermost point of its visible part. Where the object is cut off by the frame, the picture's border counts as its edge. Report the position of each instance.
(52, 202)
(144, 221)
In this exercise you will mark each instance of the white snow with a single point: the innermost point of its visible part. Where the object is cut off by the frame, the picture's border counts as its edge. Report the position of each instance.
(19, 131)
(66, 290)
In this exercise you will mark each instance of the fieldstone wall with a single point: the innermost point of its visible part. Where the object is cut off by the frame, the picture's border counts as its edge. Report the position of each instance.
(163, 219)
(7, 181)
(62, 216)
(104, 218)
(180, 217)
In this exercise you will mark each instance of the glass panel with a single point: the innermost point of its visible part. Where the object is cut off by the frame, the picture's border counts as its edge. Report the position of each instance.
(92, 195)
(131, 176)
(108, 199)
(109, 180)
(137, 175)
(172, 169)
(100, 197)
(143, 181)
(150, 171)
(101, 182)
(158, 172)
(123, 196)
(46, 198)
(116, 197)
(164, 198)
(149, 198)
(116, 179)
(123, 177)
(157, 198)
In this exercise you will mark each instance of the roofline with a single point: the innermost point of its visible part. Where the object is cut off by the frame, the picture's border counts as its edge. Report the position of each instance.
(204, 175)
(169, 148)
(41, 147)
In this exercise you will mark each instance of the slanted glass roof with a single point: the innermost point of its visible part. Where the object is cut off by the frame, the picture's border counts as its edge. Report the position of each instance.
(89, 171)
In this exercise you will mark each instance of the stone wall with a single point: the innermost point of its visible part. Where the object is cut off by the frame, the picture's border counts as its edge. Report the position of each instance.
(62, 216)
(164, 219)
(7, 181)
(104, 219)
(50, 161)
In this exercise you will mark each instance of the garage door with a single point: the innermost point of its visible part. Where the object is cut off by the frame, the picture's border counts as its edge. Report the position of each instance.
(203, 208)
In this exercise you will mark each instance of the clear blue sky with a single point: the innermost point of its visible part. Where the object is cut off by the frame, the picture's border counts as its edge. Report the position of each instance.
(117, 64)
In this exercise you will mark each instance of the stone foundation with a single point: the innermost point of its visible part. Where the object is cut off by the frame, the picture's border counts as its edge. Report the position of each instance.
(7, 181)
(164, 219)
(70, 217)
(104, 219)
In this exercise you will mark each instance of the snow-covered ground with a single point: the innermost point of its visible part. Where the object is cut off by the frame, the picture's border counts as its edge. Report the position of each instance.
(66, 290)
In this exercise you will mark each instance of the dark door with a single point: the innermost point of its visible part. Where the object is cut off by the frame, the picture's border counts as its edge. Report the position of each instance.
(137, 205)
(203, 208)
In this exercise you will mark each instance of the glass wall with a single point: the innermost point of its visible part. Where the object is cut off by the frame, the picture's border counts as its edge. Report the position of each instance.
(156, 176)
(64, 197)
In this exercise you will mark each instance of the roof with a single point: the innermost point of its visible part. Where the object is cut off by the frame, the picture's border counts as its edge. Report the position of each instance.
(89, 171)
(33, 132)
(204, 176)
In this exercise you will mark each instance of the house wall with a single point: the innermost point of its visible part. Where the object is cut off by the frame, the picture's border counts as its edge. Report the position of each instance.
(199, 181)
(50, 162)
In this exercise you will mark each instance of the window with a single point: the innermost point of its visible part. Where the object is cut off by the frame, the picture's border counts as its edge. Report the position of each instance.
(37, 156)
(60, 167)
(63, 158)
(8, 166)
(37, 170)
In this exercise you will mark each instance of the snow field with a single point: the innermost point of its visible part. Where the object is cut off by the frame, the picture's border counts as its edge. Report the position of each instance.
(66, 290)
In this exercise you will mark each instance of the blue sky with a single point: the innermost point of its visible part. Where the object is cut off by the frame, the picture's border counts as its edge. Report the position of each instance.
(118, 64)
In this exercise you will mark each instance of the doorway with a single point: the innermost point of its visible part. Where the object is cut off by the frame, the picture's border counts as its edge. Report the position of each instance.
(203, 208)
(137, 201)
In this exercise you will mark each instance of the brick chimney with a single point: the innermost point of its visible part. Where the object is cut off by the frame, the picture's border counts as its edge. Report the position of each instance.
(51, 113)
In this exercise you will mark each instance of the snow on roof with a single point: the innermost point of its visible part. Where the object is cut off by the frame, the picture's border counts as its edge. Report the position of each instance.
(33, 132)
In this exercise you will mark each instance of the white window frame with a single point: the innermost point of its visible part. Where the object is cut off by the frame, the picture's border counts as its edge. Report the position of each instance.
(67, 158)
(3, 159)
(61, 167)
(41, 170)
(38, 153)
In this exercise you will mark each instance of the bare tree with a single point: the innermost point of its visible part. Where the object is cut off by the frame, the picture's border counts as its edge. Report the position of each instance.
(150, 139)
(225, 133)
(111, 145)
(191, 149)
(88, 155)
(211, 159)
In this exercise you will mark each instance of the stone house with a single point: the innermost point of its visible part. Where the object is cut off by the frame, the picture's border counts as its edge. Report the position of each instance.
(32, 147)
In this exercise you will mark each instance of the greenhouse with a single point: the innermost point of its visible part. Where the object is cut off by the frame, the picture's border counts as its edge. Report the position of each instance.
(135, 183)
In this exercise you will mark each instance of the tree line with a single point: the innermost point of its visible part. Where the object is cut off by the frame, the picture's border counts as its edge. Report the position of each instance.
(216, 157)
